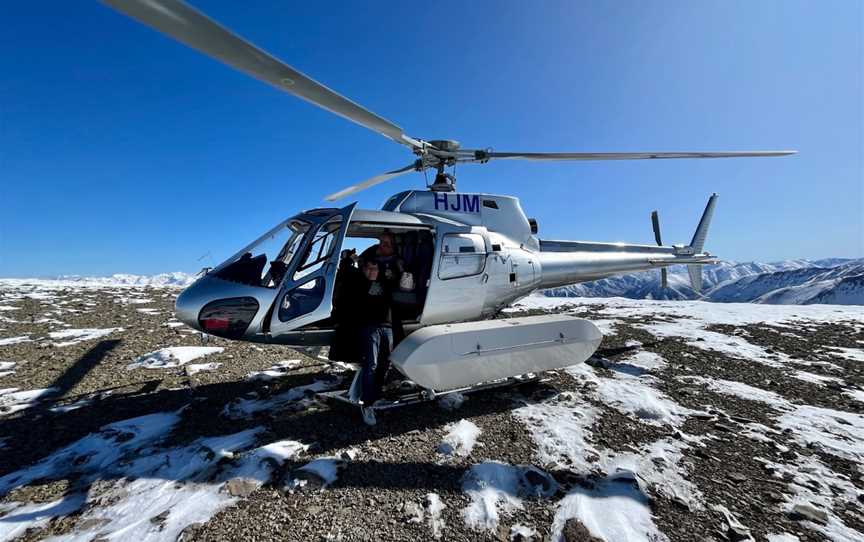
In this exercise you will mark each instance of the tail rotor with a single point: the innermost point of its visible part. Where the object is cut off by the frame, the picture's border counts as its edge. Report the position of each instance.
(655, 223)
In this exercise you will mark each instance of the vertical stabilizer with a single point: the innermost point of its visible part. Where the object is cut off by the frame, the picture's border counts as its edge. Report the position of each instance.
(698, 241)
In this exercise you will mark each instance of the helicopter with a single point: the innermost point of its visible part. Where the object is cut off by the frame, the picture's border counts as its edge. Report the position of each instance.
(470, 254)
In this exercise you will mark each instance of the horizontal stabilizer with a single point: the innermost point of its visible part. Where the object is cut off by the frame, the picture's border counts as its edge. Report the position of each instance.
(695, 272)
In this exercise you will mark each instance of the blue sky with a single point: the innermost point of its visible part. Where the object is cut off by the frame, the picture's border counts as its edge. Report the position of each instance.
(122, 151)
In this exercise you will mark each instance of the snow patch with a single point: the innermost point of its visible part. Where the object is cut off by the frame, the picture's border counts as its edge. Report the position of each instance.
(614, 509)
(175, 356)
(14, 340)
(81, 335)
(460, 439)
(7, 368)
(560, 428)
(194, 368)
(854, 354)
(434, 507)
(276, 371)
(497, 489)
(12, 400)
(241, 408)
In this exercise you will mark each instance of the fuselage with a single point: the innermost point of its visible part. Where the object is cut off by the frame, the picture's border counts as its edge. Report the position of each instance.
(473, 254)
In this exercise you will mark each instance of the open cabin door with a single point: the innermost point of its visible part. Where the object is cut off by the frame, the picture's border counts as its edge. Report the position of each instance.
(306, 295)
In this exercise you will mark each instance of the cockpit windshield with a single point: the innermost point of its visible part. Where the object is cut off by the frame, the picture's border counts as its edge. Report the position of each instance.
(278, 247)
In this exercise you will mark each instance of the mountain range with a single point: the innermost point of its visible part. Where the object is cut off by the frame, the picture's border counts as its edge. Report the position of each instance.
(838, 281)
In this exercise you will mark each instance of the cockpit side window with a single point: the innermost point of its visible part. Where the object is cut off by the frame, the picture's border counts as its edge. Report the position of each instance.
(320, 249)
(278, 247)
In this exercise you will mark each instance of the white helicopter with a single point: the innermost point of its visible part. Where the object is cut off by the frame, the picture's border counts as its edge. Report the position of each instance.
(470, 254)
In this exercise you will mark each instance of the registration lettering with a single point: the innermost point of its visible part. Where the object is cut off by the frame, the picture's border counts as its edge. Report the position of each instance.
(465, 203)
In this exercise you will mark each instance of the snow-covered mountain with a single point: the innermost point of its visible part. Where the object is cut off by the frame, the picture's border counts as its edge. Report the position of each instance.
(178, 279)
(832, 280)
(837, 281)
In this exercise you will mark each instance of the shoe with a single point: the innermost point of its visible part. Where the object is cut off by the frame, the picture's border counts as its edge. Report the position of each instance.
(368, 415)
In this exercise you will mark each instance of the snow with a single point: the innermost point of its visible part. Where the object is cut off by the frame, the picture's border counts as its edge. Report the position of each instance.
(837, 281)
(194, 368)
(522, 532)
(81, 335)
(460, 439)
(837, 432)
(560, 430)
(176, 279)
(153, 492)
(812, 482)
(18, 518)
(325, 468)
(12, 400)
(783, 537)
(738, 389)
(175, 356)
(434, 507)
(276, 371)
(636, 397)
(858, 395)
(242, 408)
(9, 308)
(14, 340)
(497, 489)
(614, 509)
(854, 354)
(814, 378)
(689, 319)
(645, 360)
(7, 368)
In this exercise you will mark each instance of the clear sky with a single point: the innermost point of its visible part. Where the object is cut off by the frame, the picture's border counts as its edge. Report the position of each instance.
(122, 151)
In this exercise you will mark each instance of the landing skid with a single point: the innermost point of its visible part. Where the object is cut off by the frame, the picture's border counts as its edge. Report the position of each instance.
(424, 395)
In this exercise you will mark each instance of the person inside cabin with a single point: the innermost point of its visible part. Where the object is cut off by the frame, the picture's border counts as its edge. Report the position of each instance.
(365, 320)
(391, 272)
(390, 265)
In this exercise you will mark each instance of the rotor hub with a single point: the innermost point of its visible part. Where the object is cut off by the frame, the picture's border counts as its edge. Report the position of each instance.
(446, 145)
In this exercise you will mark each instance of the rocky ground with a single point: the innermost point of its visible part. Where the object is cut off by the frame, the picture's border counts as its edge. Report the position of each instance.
(692, 422)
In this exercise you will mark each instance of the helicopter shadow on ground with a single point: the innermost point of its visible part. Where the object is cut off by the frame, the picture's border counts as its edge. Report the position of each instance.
(35, 433)
(39, 432)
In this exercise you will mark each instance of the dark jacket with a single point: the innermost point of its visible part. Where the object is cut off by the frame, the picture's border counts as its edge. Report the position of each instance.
(389, 267)
(357, 303)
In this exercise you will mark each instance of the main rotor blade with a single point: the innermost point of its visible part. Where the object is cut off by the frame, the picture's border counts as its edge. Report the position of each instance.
(353, 189)
(481, 156)
(191, 27)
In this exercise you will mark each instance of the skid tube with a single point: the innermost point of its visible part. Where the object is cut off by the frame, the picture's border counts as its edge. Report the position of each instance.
(426, 395)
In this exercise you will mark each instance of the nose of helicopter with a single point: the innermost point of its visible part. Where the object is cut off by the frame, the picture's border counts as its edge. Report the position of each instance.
(188, 303)
(221, 308)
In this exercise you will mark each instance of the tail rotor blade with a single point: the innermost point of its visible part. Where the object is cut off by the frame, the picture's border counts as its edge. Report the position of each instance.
(655, 223)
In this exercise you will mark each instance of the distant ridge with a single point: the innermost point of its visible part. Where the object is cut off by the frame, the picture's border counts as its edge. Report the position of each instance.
(837, 281)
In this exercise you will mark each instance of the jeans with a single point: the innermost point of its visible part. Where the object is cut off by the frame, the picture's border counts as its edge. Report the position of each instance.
(376, 342)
